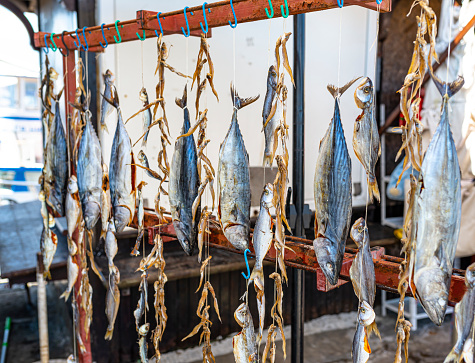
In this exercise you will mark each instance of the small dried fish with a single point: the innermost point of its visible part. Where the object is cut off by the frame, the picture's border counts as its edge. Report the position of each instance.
(106, 107)
(105, 201)
(73, 272)
(244, 343)
(145, 165)
(142, 303)
(49, 243)
(72, 208)
(111, 247)
(112, 301)
(143, 346)
(361, 349)
(140, 216)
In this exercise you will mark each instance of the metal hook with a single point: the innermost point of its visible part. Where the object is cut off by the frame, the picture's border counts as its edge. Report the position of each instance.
(340, 4)
(187, 34)
(142, 38)
(53, 46)
(46, 48)
(159, 24)
(118, 32)
(206, 21)
(379, 2)
(103, 36)
(286, 13)
(235, 19)
(247, 263)
(271, 10)
(65, 46)
(85, 40)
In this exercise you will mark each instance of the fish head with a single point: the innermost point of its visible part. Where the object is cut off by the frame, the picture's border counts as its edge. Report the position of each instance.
(111, 226)
(108, 76)
(183, 234)
(359, 231)
(470, 276)
(432, 293)
(121, 218)
(364, 93)
(328, 258)
(92, 210)
(267, 196)
(143, 95)
(241, 314)
(366, 314)
(238, 236)
(272, 77)
(144, 329)
(73, 185)
(141, 156)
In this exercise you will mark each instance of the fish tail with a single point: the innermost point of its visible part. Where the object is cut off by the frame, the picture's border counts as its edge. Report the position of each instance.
(450, 88)
(65, 295)
(268, 160)
(337, 92)
(373, 329)
(373, 188)
(241, 102)
(104, 126)
(109, 333)
(257, 273)
(103, 235)
(453, 357)
(181, 102)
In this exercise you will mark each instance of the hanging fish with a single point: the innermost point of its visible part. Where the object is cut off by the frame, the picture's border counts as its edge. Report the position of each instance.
(111, 247)
(73, 210)
(271, 124)
(145, 165)
(366, 142)
(262, 240)
(73, 272)
(361, 349)
(244, 343)
(106, 107)
(105, 201)
(122, 173)
(143, 346)
(89, 173)
(183, 184)
(362, 269)
(49, 242)
(146, 115)
(112, 301)
(437, 213)
(142, 304)
(332, 194)
(464, 321)
(140, 216)
(234, 189)
(57, 160)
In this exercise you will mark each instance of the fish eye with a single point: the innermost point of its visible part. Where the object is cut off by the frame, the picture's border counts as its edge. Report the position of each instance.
(363, 310)
(366, 90)
(360, 229)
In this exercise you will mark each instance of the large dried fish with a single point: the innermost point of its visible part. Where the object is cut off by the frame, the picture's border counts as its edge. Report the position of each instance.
(89, 173)
(122, 173)
(184, 183)
(112, 301)
(332, 194)
(244, 343)
(366, 142)
(234, 189)
(437, 213)
(361, 349)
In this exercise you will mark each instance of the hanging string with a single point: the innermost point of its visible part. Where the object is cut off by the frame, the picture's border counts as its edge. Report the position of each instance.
(448, 49)
(141, 49)
(186, 64)
(339, 49)
(234, 66)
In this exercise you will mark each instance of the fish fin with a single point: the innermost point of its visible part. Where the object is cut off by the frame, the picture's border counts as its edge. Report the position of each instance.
(373, 188)
(373, 329)
(257, 273)
(181, 102)
(453, 357)
(367, 348)
(449, 88)
(104, 127)
(109, 333)
(241, 102)
(103, 235)
(337, 92)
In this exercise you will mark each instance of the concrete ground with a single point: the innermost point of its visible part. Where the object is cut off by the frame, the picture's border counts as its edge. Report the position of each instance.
(327, 339)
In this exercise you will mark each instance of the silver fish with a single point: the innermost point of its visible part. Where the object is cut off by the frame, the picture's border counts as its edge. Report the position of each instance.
(183, 184)
(464, 320)
(89, 173)
(143, 346)
(270, 126)
(73, 272)
(111, 247)
(234, 189)
(146, 115)
(332, 192)
(436, 215)
(366, 142)
(262, 240)
(122, 173)
(142, 304)
(49, 242)
(140, 219)
(106, 107)
(57, 157)
(112, 301)
(72, 207)
(244, 343)
(361, 349)
(105, 201)
(146, 166)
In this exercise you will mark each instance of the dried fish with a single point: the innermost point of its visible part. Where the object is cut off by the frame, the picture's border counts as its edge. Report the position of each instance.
(112, 301)
(244, 343)
(140, 217)
(106, 107)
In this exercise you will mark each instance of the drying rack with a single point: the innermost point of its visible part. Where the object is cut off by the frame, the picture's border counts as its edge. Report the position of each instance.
(193, 21)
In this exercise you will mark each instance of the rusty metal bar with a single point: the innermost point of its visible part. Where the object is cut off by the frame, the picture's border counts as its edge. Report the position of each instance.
(172, 22)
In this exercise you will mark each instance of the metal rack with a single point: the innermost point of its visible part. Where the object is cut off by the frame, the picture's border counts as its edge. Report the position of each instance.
(189, 21)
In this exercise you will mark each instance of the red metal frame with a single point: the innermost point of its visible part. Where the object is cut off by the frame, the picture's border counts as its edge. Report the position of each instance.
(172, 22)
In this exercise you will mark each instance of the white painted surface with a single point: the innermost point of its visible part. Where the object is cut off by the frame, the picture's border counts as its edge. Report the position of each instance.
(358, 31)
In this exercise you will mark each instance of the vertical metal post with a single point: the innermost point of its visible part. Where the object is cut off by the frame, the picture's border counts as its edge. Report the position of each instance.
(298, 183)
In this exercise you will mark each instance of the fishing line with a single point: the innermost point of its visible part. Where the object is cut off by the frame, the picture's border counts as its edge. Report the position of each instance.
(73, 302)
(448, 48)
(339, 52)
(234, 67)
(141, 50)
